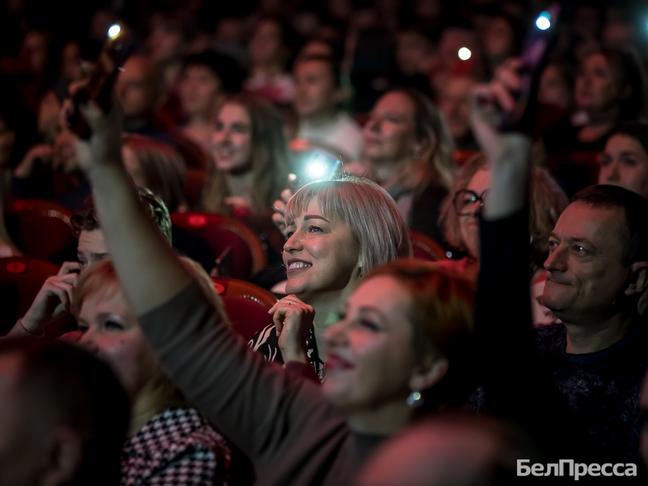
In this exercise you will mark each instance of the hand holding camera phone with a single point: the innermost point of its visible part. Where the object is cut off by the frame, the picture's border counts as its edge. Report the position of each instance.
(118, 47)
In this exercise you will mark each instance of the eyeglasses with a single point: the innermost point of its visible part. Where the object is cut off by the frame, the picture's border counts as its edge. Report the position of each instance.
(465, 199)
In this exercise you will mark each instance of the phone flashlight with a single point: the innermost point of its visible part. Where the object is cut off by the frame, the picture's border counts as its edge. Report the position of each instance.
(464, 53)
(314, 162)
(543, 20)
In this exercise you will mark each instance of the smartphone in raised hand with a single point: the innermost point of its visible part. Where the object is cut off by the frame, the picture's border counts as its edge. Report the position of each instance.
(533, 59)
(118, 46)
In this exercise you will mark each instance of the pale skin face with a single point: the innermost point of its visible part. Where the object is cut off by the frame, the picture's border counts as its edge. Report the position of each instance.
(320, 254)
(389, 134)
(232, 138)
(624, 163)
(91, 247)
(595, 88)
(469, 224)
(370, 357)
(109, 328)
(586, 273)
(315, 89)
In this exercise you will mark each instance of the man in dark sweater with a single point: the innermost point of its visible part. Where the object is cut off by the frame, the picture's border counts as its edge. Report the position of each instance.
(597, 269)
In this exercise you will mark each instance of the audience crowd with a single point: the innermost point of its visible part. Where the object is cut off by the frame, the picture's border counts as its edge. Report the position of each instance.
(307, 245)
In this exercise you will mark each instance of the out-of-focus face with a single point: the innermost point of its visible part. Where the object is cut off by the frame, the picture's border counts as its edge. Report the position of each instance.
(469, 222)
(320, 255)
(586, 273)
(164, 43)
(412, 50)
(21, 451)
(91, 247)
(454, 104)
(135, 88)
(315, 88)
(390, 133)
(370, 357)
(109, 329)
(265, 46)
(232, 138)
(624, 163)
(199, 90)
(595, 87)
(553, 89)
(498, 38)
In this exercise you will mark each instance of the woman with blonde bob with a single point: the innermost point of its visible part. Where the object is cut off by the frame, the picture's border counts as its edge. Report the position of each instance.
(337, 232)
(166, 433)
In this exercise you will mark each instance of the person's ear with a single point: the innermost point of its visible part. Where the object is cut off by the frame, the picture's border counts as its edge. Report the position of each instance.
(638, 278)
(428, 373)
(63, 455)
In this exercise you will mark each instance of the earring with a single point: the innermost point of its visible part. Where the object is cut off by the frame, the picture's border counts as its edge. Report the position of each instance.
(414, 399)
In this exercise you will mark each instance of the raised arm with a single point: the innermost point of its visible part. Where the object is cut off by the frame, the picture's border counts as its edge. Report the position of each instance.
(149, 272)
(267, 414)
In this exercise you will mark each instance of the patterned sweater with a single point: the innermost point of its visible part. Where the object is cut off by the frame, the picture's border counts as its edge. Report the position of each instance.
(176, 447)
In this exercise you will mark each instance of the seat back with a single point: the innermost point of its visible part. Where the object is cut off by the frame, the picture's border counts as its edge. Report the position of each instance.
(246, 305)
(238, 251)
(42, 229)
(20, 280)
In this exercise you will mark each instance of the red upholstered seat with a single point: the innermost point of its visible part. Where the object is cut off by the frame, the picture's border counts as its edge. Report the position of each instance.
(20, 280)
(42, 229)
(425, 247)
(246, 305)
(238, 251)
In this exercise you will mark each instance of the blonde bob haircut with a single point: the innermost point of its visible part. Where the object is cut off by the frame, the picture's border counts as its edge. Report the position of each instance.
(370, 212)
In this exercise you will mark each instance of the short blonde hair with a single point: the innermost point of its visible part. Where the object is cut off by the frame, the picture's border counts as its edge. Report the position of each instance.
(370, 212)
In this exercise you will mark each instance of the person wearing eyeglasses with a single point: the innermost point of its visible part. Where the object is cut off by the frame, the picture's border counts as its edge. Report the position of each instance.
(460, 222)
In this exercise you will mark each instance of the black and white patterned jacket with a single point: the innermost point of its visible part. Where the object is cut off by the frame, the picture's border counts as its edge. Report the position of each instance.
(176, 447)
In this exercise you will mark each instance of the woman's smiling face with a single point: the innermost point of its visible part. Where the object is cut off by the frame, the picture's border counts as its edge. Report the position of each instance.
(321, 253)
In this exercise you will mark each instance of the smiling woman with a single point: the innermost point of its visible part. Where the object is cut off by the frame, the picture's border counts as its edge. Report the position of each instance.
(167, 436)
(338, 231)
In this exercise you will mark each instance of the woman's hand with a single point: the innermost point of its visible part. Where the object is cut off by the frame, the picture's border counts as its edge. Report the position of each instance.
(293, 319)
(53, 299)
(279, 211)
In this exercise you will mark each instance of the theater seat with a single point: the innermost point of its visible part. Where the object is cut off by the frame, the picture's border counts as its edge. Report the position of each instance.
(237, 250)
(42, 229)
(20, 280)
(246, 305)
(425, 247)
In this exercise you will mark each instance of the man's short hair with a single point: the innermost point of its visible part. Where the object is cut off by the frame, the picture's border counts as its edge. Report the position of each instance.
(635, 208)
(86, 219)
(64, 384)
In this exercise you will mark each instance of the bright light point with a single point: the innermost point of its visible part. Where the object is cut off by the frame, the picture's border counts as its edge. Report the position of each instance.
(316, 169)
(114, 31)
(292, 177)
(543, 22)
(464, 53)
